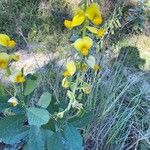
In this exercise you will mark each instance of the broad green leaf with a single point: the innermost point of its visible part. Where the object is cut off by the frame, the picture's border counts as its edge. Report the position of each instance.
(12, 130)
(37, 116)
(56, 142)
(73, 137)
(30, 86)
(53, 107)
(83, 121)
(44, 100)
(36, 139)
(50, 125)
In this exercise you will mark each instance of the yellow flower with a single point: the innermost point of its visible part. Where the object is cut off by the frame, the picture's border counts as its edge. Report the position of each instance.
(6, 41)
(77, 20)
(13, 101)
(65, 83)
(14, 57)
(4, 60)
(18, 77)
(83, 45)
(93, 13)
(96, 67)
(97, 32)
(70, 69)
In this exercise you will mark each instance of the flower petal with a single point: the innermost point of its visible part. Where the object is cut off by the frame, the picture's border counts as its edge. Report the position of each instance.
(71, 68)
(5, 41)
(92, 29)
(68, 24)
(13, 100)
(4, 60)
(94, 14)
(78, 20)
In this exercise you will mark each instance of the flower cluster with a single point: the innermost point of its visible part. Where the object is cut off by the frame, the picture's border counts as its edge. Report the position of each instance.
(5, 63)
(89, 18)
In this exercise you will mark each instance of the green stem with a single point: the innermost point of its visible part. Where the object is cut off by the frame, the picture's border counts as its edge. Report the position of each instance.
(8, 71)
(86, 21)
(85, 4)
(76, 84)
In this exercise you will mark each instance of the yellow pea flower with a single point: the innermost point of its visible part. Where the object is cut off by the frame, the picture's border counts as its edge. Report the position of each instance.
(77, 20)
(65, 83)
(14, 57)
(97, 32)
(83, 45)
(4, 60)
(13, 101)
(70, 69)
(6, 41)
(93, 13)
(18, 77)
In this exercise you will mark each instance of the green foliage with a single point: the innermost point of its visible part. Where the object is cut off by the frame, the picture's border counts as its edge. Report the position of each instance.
(44, 100)
(30, 85)
(56, 142)
(36, 139)
(12, 130)
(18, 16)
(32, 19)
(83, 120)
(37, 116)
(73, 137)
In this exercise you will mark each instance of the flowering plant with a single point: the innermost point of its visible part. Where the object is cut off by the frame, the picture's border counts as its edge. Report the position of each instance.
(46, 125)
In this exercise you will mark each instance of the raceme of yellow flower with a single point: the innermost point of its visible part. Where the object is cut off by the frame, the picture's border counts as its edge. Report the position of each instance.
(93, 13)
(83, 45)
(4, 60)
(97, 32)
(77, 20)
(6, 41)
(13, 101)
(70, 69)
(14, 57)
(18, 77)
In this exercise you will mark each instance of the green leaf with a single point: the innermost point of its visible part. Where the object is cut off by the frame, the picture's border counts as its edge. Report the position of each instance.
(53, 107)
(37, 116)
(56, 142)
(83, 121)
(36, 139)
(44, 100)
(30, 86)
(50, 125)
(73, 137)
(12, 130)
